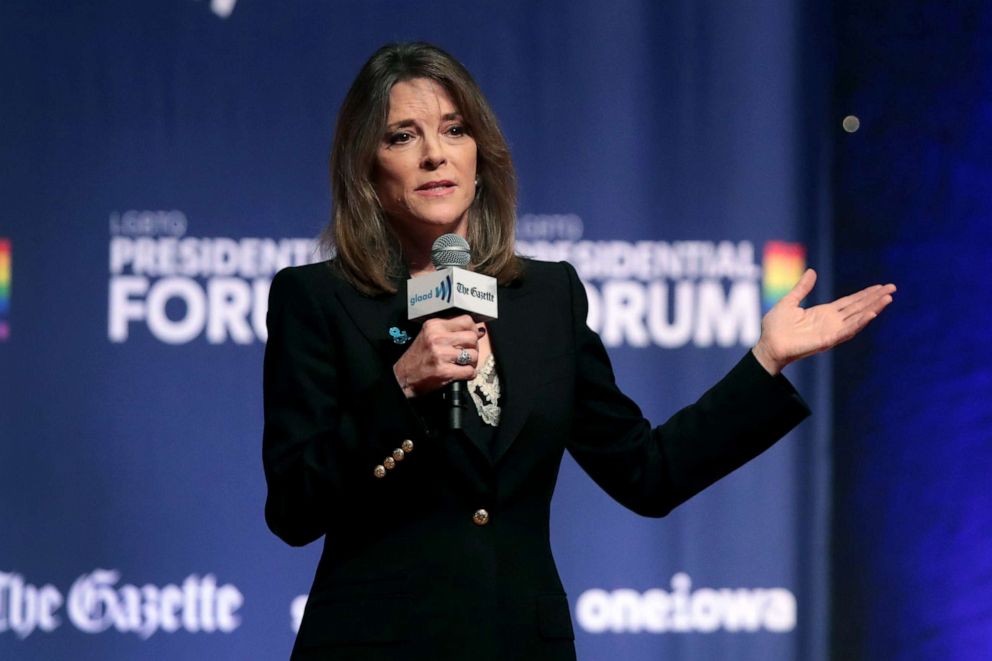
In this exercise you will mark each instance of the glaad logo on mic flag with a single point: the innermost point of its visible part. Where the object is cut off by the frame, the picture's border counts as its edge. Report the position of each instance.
(452, 289)
(443, 290)
(5, 259)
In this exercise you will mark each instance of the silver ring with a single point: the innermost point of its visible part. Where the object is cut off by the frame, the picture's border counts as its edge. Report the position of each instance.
(464, 358)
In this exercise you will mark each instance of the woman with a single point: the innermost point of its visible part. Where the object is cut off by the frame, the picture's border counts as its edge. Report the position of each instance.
(436, 540)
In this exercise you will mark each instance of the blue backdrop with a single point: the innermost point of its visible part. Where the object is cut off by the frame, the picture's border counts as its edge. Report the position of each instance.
(912, 528)
(161, 160)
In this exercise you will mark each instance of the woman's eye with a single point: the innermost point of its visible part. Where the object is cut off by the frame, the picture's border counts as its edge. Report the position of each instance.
(457, 130)
(399, 138)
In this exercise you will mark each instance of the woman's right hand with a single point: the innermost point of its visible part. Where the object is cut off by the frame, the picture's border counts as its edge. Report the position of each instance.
(430, 362)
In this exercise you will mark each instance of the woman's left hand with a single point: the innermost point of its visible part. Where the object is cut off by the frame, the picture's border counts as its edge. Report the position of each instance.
(789, 332)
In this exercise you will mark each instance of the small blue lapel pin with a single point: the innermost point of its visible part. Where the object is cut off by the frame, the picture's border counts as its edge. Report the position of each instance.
(399, 336)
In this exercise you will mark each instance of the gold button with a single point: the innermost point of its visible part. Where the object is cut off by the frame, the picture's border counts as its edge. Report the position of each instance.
(407, 445)
(380, 471)
(398, 454)
(389, 463)
(480, 518)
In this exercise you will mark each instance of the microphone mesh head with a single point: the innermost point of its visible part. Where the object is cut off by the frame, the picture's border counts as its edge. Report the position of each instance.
(450, 250)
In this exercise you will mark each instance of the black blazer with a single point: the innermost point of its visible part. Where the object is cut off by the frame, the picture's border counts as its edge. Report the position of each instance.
(407, 571)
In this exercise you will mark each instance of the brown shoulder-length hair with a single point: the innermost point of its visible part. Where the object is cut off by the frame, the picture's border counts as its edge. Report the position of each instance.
(367, 252)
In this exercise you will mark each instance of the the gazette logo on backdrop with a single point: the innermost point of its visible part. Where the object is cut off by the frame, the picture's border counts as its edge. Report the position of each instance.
(5, 262)
(95, 603)
(684, 610)
(181, 288)
(668, 294)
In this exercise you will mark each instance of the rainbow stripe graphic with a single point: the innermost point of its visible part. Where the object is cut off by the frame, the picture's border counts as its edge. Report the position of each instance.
(784, 264)
(4, 288)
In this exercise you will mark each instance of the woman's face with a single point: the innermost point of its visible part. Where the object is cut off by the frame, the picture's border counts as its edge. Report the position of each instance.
(425, 163)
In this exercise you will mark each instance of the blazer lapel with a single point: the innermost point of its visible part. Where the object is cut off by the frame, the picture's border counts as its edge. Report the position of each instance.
(513, 347)
(382, 320)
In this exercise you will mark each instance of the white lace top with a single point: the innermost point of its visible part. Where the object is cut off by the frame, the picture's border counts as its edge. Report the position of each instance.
(484, 389)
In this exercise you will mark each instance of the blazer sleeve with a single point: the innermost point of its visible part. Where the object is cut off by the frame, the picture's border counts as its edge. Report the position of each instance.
(651, 471)
(323, 436)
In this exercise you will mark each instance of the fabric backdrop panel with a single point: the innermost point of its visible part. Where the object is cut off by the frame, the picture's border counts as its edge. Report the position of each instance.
(161, 160)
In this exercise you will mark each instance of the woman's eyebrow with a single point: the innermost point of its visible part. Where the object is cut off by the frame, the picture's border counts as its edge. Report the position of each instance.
(447, 117)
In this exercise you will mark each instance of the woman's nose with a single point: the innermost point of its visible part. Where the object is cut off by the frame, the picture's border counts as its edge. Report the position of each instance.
(433, 156)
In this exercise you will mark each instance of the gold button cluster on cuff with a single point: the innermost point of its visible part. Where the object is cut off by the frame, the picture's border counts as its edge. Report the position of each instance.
(389, 463)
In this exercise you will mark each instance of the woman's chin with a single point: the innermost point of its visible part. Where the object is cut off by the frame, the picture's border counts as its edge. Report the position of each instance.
(432, 227)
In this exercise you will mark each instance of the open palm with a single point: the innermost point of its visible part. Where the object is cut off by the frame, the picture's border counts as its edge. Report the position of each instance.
(790, 332)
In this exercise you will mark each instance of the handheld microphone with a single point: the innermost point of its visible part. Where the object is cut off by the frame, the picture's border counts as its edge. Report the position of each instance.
(448, 292)
(451, 289)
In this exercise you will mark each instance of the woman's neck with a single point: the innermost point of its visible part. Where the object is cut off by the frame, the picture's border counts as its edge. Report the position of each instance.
(419, 267)
(417, 249)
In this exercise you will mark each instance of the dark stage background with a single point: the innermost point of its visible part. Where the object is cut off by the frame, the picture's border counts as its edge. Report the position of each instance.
(160, 161)
(912, 524)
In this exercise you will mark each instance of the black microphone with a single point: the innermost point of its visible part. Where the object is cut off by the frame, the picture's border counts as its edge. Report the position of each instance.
(453, 250)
